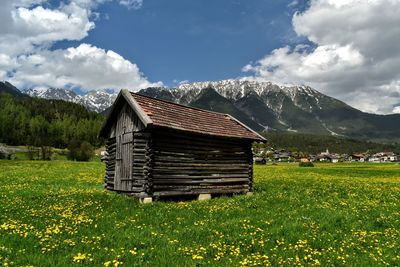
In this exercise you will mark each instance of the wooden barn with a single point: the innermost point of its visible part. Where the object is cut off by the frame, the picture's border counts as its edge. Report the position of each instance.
(158, 148)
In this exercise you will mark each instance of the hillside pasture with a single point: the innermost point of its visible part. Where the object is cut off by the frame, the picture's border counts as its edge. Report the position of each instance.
(58, 214)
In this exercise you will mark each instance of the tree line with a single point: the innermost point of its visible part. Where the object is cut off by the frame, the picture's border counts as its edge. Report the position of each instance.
(46, 123)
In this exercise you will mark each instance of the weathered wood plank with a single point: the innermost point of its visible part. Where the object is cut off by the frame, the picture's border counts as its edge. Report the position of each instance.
(214, 171)
(200, 191)
(157, 176)
(177, 135)
(242, 181)
(203, 155)
(195, 164)
(191, 187)
(159, 160)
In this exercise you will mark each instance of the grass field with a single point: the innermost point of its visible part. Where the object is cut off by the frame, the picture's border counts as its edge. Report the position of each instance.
(57, 214)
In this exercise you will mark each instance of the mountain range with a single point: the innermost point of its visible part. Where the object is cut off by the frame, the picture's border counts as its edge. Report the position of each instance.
(264, 106)
(97, 100)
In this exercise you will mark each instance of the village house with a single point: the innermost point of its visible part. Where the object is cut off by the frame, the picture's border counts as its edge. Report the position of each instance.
(326, 156)
(312, 157)
(282, 156)
(259, 160)
(358, 157)
(323, 158)
(383, 157)
(374, 158)
(335, 158)
(157, 148)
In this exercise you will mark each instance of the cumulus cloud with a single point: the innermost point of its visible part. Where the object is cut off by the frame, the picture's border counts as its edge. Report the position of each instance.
(354, 54)
(26, 29)
(85, 66)
(29, 28)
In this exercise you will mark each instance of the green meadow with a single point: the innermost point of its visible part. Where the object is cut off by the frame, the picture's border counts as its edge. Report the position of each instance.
(58, 214)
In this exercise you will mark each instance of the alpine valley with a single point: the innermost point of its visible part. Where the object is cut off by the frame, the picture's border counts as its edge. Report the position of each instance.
(263, 106)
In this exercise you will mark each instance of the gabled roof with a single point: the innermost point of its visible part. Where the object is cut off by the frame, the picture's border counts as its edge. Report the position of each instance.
(160, 113)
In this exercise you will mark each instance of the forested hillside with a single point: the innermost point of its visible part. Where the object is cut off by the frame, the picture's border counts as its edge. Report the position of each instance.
(41, 122)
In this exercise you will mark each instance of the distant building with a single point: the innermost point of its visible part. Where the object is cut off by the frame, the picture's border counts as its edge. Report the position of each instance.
(282, 156)
(374, 158)
(313, 158)
(327, 157)
(259, 160)
(383, 157)
(358, 157)
(334, 159)
(323, 158)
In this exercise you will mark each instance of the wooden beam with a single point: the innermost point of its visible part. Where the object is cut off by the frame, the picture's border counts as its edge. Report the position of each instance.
(136, 107)
(248, 128)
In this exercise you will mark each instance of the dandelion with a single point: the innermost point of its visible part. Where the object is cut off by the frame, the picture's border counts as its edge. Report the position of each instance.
(81, 257)
(133, 251)
(197, 257)
(116, 263)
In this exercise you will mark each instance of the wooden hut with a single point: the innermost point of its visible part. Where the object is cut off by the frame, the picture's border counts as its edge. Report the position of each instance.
(158, 148)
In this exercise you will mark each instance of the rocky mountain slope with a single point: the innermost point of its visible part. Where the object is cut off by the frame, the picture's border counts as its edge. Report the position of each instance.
(265, 106)
(98, 100)
(6, 87)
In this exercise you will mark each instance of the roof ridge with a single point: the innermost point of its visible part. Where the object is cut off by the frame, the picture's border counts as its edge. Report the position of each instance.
(185, 106)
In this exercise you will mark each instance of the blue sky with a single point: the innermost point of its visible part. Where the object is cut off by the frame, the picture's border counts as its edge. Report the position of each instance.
(347, 49)
(180, 40)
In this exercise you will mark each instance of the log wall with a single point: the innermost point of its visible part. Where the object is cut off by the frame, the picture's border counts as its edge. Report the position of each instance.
(120, 148)
(110, 163)
(140, 165)
(188, 164)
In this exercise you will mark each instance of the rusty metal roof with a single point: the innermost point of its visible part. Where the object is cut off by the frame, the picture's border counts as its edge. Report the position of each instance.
(171, 115)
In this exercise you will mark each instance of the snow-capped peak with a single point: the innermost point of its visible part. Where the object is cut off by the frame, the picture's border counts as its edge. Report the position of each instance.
(237, 89)
(97, 100)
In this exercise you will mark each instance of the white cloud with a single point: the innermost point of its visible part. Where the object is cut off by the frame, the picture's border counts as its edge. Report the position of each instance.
(29, 28)
(396, 110)
(293, 3)
(131, 4)
(356, 56)
(85, 66)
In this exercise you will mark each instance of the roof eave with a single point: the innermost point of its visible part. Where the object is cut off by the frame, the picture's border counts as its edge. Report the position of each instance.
(137, 108)
(261, 138)
(124, 93)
